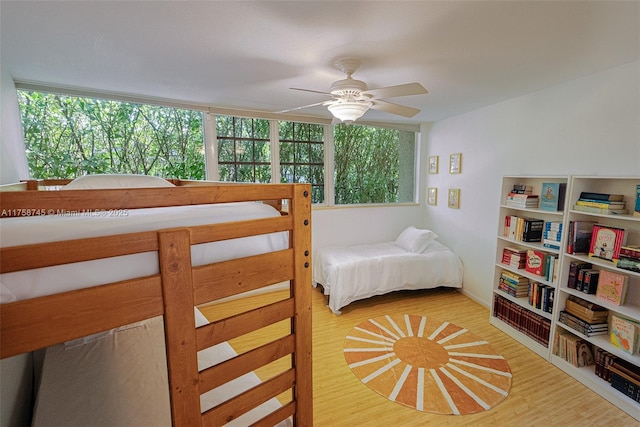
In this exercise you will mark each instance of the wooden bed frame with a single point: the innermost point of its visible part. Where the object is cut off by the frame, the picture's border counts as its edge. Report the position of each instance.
(39, 322)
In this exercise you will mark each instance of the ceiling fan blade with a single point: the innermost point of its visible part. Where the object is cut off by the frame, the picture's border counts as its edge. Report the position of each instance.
(389, 107)
(309, 90)
(394, 91)
(304, 106)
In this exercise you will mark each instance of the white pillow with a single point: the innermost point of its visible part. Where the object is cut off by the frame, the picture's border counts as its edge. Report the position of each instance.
(101, 181)
(415, 240)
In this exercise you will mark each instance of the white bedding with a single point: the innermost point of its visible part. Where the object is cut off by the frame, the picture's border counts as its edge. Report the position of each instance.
(51, 228)
(139, 394)
(352, 273)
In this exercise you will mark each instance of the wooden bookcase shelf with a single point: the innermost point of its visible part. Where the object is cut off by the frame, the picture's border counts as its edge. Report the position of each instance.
(631, 309)
(536, 337)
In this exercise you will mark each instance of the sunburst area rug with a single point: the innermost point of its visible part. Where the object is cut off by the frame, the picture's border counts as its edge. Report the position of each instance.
(427, 364)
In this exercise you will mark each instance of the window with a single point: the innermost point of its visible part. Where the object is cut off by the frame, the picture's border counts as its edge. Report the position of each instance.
(302, 156)
(69, 136)
(373, 165)
(244, 149)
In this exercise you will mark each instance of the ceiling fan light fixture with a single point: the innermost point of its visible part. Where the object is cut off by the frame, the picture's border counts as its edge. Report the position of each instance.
(349, 112)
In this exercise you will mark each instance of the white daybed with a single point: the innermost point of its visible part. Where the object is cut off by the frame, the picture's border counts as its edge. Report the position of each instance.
(415, 260)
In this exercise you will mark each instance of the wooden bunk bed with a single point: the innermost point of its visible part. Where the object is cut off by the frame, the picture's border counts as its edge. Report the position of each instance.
(174, 290)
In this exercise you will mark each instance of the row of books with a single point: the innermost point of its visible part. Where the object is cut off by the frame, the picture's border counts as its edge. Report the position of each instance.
(552, 235)
(573, 349)
(541, 296)
(629, 258)
(529, 323)
(591, 319)
(601, 203)
(607, 285)
(542, 264)
(514, 257)
(523, 229)
(585, 310)
(585, 328)
(513, 284)
(521, 196)
(623, 376)
(538, 295)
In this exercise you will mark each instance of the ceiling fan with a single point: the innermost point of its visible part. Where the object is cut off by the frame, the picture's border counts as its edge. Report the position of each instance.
(351, 98)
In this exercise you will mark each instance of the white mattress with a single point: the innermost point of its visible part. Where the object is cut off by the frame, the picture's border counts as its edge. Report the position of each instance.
(79, 385)
(51, 280)
(352, 273)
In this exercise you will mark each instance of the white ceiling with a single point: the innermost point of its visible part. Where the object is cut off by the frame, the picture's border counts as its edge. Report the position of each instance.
(242, 54)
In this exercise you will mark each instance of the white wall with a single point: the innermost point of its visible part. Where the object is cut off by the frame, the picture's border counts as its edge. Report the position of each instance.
(589, 126)
(358, 225)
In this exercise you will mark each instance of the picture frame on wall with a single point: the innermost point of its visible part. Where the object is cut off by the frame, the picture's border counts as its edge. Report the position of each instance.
(433, 164)
(432, 196)
(454, 198)
(455, 163)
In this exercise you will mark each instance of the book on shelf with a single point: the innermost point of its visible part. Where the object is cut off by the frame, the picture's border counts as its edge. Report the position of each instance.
(612, 287)
(522, 189)
(601, 204)
(636, 209)
(522, 320)
(606, 242)
(552, 196)
(551, 244)
(630, 264)
(602, 196)
(625, 334)
(535, 262)
(584, 310)
(603, 211)
(573, 349)
(590, 281)
(521, 200)
(541, 296)
(604, 359)
(574, 270)
(626, 381)
(582, 282)
(532, 229)
(513, 284)
(579, 325)
(579, 236)
(630, 251)
(514, 257)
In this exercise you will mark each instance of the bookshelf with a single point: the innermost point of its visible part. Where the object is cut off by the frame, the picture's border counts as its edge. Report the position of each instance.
(514, 315)
(631, 309)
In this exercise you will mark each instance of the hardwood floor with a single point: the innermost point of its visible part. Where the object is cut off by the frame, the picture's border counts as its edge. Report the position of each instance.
(540, 395)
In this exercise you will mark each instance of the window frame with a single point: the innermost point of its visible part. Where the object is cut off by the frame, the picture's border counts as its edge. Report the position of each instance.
(210, 135)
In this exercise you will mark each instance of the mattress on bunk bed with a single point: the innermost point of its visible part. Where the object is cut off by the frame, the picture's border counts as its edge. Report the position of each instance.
(120, 378)
(79, 225)
(352, 273)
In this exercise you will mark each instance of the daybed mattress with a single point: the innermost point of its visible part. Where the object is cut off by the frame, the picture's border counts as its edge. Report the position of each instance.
(120, 379)
(352, 273)
(51, 228)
